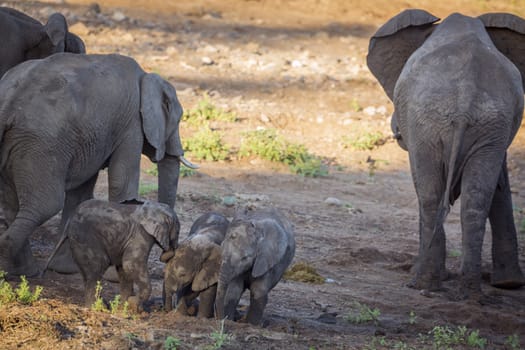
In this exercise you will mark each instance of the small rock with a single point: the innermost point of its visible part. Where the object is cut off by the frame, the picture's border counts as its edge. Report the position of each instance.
(229, 201)
(333, 201)
(370, 110)
(296, 64)
(94, 8)
(264, 118)
(118, 16)
(207, 61)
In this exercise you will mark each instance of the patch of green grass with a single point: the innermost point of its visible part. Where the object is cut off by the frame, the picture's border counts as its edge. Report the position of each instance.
(444, 337)
(172, 343)
(206, 144)
(206, 111)
(117, 307)
(98, 305)
(219, 337)
(454, 253)
(183, 171)
(21, 294)
(412, 318)
(364, 142)
(355, 106)
(362, 313)
(24, 294)
(513, 342)
(147, 188)
(268, 144)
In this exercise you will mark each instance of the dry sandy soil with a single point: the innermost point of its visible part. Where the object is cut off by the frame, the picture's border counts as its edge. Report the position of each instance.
(298, 67)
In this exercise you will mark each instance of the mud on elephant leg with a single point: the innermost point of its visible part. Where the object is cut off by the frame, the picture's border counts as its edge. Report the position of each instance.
(258, 301)
(506, 272)
(16, 257)
(207, 302)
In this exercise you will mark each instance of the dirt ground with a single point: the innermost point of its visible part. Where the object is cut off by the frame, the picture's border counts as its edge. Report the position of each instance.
(299, 67)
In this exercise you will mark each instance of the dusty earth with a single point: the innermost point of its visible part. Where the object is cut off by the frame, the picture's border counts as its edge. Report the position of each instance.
(298, 67)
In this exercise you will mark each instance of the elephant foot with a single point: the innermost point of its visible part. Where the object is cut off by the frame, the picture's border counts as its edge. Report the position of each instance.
(507, 280)
(24, 263)
(430, 284)
(63, 261)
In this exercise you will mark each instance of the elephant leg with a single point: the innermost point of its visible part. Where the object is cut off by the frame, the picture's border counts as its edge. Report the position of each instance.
(506, 272)
(207, 302)
(258, 301)
(185, 301)
(125, 283)
(124, 171)
(480, 177)
(430, 187)
(91, 266)
(137, 267)
(63, 261)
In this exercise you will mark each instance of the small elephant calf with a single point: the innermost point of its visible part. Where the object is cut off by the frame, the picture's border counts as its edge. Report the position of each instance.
(256, 251)
(193, 269)
(103, 233)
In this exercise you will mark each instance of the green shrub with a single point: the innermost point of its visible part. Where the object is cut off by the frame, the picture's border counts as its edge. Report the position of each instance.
(362, 313)
(444, 337)
(7, 294)
(206, 144)
(184, 171)
(206, 111)
(269, 145)
(147, 188)
(364, 142)
(98, 305)
(171, 343)
(219, 337)
(24, 294)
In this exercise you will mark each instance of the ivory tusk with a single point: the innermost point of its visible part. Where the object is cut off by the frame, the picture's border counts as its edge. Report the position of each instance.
(187, 163)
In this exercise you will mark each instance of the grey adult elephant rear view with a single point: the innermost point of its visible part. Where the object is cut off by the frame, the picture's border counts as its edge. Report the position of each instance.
(23, 38)
(97, 111)
(458, 98)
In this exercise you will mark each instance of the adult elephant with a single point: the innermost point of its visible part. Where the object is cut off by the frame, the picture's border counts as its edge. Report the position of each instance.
(23, 38)
(65, 117)
(458, 98)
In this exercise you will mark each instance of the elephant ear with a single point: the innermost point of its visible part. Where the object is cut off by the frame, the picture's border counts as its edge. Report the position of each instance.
(271, 246)
(155, 223)
(209, 272)
(507, 32)
(161, 113)
(74, 44)
(393, 43)
(56, 29)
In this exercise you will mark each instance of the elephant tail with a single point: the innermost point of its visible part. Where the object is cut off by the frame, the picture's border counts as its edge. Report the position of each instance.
(57, 247)
(446, 200)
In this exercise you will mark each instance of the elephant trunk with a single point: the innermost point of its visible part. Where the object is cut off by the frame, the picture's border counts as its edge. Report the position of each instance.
(167, 296)
(222, 286)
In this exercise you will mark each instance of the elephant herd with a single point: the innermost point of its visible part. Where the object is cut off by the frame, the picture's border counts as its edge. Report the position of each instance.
(457, 88)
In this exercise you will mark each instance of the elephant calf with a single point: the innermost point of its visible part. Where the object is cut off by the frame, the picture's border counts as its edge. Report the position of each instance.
(104, 233)
(193, 269)
(256, 251)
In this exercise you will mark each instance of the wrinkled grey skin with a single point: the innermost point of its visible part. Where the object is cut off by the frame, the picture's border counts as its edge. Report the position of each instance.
(23, 38)
(458, 98)
(258, 248)
(97, 111)
(103, 233)
(193, 271)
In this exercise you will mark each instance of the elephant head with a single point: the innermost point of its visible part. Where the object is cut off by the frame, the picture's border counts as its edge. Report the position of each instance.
(26, 38)
(194, 265)
(161, 113)
(159, 221)
(392, 45)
